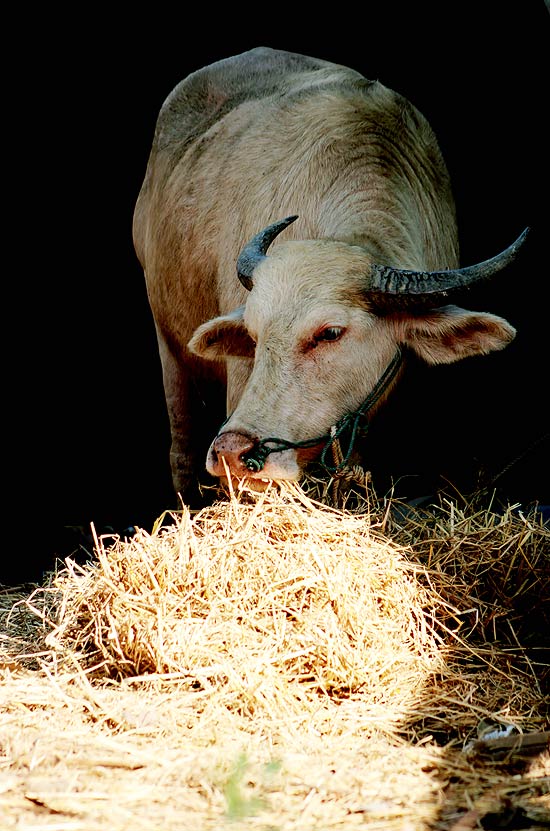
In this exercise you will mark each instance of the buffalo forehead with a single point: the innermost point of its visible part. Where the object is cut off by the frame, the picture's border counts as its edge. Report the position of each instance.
(311, 271)
(284, 305)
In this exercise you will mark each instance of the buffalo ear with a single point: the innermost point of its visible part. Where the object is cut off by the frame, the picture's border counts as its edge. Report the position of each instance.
(224, 336)
(450, 333)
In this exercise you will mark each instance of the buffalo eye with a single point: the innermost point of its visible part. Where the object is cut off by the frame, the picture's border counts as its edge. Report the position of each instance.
(329, 333)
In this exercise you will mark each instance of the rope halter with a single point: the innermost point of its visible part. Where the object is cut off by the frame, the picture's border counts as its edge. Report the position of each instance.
(255, 459)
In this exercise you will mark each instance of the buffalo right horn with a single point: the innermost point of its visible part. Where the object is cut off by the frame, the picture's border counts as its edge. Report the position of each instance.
(255, 250)
(394, 288)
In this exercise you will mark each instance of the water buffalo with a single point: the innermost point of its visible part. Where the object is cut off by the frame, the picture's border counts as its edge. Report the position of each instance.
(310, 339)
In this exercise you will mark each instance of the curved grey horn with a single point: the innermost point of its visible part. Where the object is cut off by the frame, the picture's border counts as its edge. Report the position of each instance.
(393, 288)
(255, 250)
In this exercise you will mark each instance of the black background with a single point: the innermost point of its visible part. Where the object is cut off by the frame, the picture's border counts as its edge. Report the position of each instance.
(87, 436)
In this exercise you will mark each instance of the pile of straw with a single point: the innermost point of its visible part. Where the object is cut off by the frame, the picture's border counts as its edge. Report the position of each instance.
(313, 667)
(268, 603)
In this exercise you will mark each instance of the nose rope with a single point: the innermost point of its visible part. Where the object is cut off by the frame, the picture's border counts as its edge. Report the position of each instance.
(255, 459)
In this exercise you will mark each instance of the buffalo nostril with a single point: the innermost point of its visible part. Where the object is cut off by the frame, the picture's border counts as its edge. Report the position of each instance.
(230, 448)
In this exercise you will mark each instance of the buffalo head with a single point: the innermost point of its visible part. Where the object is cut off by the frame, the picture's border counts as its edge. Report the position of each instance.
(321, 323)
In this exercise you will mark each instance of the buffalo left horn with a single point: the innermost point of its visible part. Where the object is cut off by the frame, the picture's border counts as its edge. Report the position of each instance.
(255, 250)
(394, 288)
